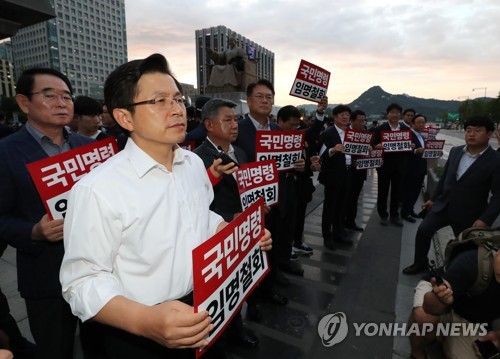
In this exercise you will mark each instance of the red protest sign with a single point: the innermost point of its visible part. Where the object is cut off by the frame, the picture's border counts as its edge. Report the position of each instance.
(55, 176)
(258, 180)
(285, 147)
(228, 267)
(396, 141)
(433, 149)
(311, 82)
(357, 142)
(372, 160)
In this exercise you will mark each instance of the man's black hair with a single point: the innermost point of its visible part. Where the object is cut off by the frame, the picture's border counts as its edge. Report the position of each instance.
(393, 106)
(356, 114)
(24, 85)
(339, 109)
(262, 82)
(480, 121)
(287, 112)
(87, 106)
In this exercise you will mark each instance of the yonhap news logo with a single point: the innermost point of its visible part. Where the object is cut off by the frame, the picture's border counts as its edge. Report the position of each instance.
(333, 329)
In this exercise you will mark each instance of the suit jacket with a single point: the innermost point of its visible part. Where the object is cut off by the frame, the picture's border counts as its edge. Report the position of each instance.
(467, 199)
(226, 195)
(416, 164)
(393, 161)
(331, 165)
(246, 136)
(38, 262)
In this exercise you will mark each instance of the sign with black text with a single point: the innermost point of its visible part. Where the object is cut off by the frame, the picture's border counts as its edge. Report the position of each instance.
(357, 142)
(372, 160)
(396, 141)
(285, 147)
(433, 149)
(258, 180)
(227, 268)
(55, 176)
(311, 82)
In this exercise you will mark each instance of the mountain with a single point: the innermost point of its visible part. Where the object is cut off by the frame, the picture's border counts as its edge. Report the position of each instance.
(375, 100)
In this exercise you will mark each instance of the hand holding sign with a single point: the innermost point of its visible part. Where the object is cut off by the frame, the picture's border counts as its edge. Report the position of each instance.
(47, 229)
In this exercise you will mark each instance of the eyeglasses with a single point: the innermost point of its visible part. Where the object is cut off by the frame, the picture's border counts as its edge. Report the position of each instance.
(164, 102)
(52, 96)
(262, 97)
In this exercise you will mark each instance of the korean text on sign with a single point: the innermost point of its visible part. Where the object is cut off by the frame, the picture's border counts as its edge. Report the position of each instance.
(433, 149)
(285, 147)
(357, 142)
(257, 180)
(55, 176)
(227, 268)
(311, 82)
(396, 141)
(372, 160)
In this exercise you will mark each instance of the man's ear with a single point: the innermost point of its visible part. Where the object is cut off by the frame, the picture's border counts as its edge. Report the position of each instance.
(124, 118)
(23, 103)
(208, 125)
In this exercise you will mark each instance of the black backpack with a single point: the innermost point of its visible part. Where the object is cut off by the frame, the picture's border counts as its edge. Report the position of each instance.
(487, 242)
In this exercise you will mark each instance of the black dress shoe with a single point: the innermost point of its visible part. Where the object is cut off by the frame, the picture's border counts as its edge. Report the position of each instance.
(254, 313)
(343, 240)
(277, 299)
(396, 221)
(415, 268)
(354, 227)
(414, 215)
(246, 339)
(292, 268)
(409, 219)
(330, 245)
(384, 221)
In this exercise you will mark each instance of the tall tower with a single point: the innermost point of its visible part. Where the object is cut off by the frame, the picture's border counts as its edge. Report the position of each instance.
(216, 38)
(86, 41)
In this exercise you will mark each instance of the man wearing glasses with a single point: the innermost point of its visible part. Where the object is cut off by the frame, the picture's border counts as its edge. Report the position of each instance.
(133, 222)
(45, 96)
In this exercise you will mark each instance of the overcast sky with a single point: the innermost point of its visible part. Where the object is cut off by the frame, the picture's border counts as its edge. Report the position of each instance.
(426, 48)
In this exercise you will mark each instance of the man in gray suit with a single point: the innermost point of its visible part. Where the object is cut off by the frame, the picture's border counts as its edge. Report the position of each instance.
(461, 197)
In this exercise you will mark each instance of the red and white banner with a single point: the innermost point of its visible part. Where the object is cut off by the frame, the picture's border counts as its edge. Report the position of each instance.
(396, 141)
(188, 145)
(357, 142)
(433, 149)
(55, 176)
(311, 82)
(258, 180)
(430, 133)
(285, 147)
(372, 160)
(227, 268)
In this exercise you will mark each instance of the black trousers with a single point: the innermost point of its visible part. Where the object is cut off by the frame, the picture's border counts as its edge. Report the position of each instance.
(410, 193)
(336, 189)
(389, 178)
(357, 182)
(429, 226)
(53, 327)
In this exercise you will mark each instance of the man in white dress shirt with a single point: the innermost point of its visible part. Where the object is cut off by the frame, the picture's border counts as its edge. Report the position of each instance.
(133, 222)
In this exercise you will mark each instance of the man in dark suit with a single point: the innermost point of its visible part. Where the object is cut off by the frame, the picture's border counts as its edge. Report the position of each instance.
(260, 100)
(417, 169)
(45, 96)
(336, 174)
(461, 197)
(393, 170)
(221, 122)
(358, 122)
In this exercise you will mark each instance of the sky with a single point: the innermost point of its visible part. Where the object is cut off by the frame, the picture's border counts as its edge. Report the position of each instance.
(440, 49)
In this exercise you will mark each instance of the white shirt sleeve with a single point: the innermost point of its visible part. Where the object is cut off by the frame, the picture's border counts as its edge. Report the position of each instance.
(86, 271)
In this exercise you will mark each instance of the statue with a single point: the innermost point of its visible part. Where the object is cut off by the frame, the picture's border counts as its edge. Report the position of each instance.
(228, 67)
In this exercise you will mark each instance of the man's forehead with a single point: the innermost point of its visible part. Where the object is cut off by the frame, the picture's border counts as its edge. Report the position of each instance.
(262, 89)
(157, 82)
(47, 81)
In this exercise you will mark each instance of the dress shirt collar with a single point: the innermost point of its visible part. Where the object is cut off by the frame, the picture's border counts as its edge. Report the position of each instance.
(230, 149)
(143, 163)
(466, 151)
(257, 124)
(40, 137)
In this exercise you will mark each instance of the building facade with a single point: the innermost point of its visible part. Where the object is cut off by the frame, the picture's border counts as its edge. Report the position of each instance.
(216, 38)
(86, 41)
(7, 83)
